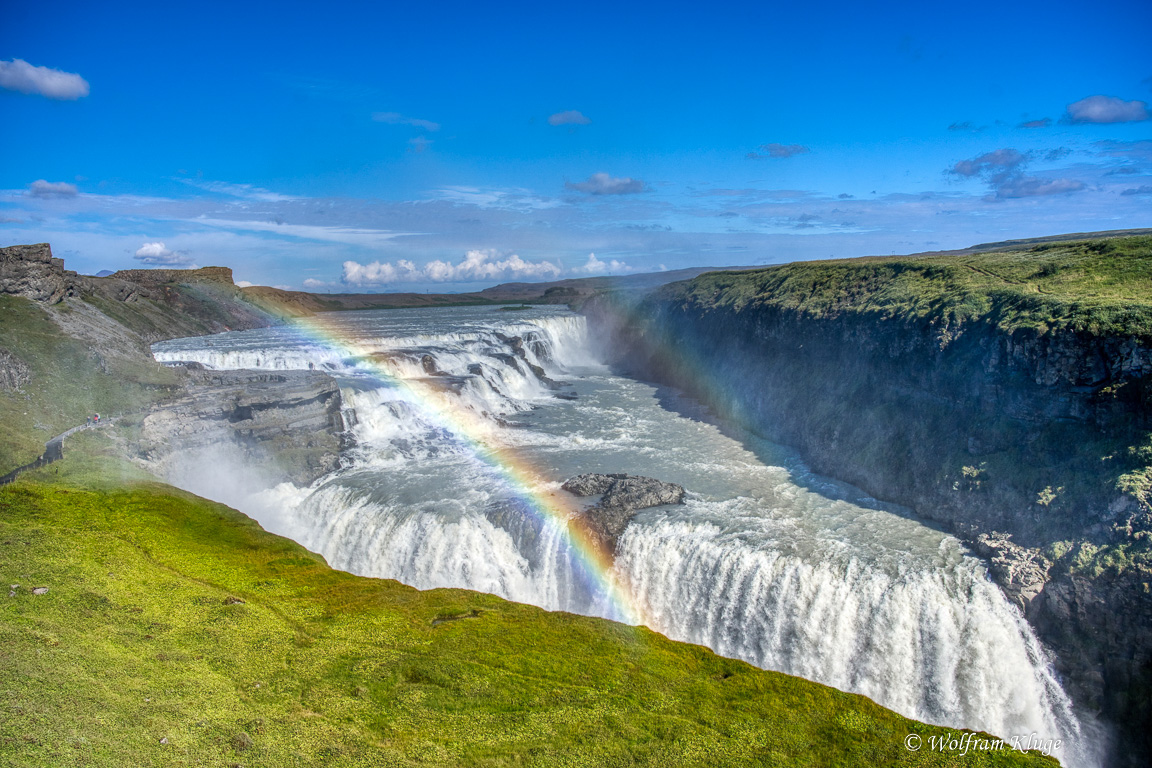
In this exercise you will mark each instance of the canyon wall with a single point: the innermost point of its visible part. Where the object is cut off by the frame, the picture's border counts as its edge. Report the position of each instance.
(1023, 425)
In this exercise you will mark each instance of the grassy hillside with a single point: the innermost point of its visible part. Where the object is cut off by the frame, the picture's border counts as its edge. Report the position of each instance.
(175, 631)
(1101, 286)
(69, 378)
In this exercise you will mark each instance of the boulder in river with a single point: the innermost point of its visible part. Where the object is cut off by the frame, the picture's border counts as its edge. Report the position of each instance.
(621, 496)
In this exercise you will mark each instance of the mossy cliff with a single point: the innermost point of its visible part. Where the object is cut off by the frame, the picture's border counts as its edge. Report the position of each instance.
(1006, 394)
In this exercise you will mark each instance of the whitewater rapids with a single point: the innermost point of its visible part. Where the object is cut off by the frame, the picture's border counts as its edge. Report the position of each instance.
(765, 562)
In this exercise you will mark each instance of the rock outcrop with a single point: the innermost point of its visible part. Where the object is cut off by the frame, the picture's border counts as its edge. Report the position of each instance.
(289, 423)
(14, 373)
(168, 303)
(621, 496)
(157, 277)
(1020, 571)
(31, 272)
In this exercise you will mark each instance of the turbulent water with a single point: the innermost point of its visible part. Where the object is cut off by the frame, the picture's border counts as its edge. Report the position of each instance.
(765, 561)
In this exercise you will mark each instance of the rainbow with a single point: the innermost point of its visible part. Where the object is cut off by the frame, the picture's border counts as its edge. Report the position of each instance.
(521, 479)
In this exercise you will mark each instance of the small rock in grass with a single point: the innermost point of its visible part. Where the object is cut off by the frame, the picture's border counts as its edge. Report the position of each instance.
(164, 740)
(40, 591)
(232, 600)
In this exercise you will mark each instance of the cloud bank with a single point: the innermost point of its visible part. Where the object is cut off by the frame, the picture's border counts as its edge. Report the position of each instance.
(595, 266)
(19, 75)
(1003, 171)
(477, 265)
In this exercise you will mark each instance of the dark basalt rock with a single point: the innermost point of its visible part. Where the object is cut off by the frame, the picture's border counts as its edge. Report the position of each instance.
(621, 496)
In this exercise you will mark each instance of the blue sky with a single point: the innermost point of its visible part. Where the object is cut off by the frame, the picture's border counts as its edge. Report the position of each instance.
(451, 146)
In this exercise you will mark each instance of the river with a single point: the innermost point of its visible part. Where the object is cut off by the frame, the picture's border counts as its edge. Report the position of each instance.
(465, 417)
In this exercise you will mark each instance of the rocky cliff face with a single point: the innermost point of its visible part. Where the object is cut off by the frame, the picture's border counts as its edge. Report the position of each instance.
(164, 303)
(1029, 445)
(287, 424)
(290, 425)
(157, 277)
(31, 272)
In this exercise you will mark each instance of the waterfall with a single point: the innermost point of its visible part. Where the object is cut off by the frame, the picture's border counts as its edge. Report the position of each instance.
(940, 645)
(763, 563)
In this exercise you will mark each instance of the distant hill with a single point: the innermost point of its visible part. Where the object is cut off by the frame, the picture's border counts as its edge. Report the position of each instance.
(299, 303)
(572, 290)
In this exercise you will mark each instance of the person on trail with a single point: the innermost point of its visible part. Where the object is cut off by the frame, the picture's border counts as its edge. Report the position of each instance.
(96, 419)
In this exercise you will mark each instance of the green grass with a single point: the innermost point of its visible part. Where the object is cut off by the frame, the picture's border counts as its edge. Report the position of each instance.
(70, 380)
(140, 638)
(1097, 286)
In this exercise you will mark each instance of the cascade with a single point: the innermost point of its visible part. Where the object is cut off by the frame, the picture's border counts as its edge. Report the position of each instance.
(765, 562)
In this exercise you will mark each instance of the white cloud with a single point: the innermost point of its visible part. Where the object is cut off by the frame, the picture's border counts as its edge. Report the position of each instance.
(395, 118)
(991, 163)
(779, 151)
(603, 184)
(345, 235)
(1107, 109)
(507, 199)
(312, 282)
(1032, 186)
(477, 265)
(49, 189)
(568, 117)
(243, 191)
(239, 283)
(19, 75)
(595, 266)
(419, 143)
(158, 255)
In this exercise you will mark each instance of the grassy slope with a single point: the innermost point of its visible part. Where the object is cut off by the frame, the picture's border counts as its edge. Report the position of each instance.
(1100, 286)
(70, 379)
(136, 642)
